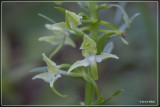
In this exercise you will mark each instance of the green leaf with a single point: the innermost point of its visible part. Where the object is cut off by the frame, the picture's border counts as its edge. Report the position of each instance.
(125, 16)
(84, 63)
(54, 40)
(110, 32)
(102, 39)
(99, 100)
(115, 94)
(99, 58)
(39, 69)
(108, 48)
(105, 23)
(52, 67)
(70, 42)
(93, 66)
(109, 25)
(61, 9)
(72, 20)
(88, 47)
(101, 43)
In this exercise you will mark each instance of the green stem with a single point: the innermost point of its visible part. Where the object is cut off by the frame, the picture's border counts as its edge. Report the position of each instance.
(89, 87)
(104, 23)
(93, 16)
(89, 91)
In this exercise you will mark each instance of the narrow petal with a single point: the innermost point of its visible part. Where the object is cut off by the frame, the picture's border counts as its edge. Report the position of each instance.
(84, 63)
(47, 77)
(108, 48)
(124, 40)
(99, 58)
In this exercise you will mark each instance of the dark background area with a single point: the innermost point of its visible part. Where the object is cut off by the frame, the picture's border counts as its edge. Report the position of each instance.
(135, 71)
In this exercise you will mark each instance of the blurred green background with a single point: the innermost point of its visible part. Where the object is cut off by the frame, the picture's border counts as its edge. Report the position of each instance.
(135, 71)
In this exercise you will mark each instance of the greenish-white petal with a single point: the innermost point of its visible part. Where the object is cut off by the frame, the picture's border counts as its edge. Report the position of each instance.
(70, 42)
(108, 48)
(46, 76)
(84, 63)
(54, 40)
(57, 27)
(52, 67)
(104, 56)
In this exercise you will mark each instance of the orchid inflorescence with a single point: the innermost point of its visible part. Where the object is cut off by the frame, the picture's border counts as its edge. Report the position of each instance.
(93, 47)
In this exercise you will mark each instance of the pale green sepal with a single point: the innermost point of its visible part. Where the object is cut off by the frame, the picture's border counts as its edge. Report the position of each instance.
(88, 47)
(72, 20)
(52, 67)
(93, 66)
(70, 42)
(84, 63)
(99, 58)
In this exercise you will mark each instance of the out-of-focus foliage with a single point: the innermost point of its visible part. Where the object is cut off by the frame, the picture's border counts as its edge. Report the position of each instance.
(135, 71)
